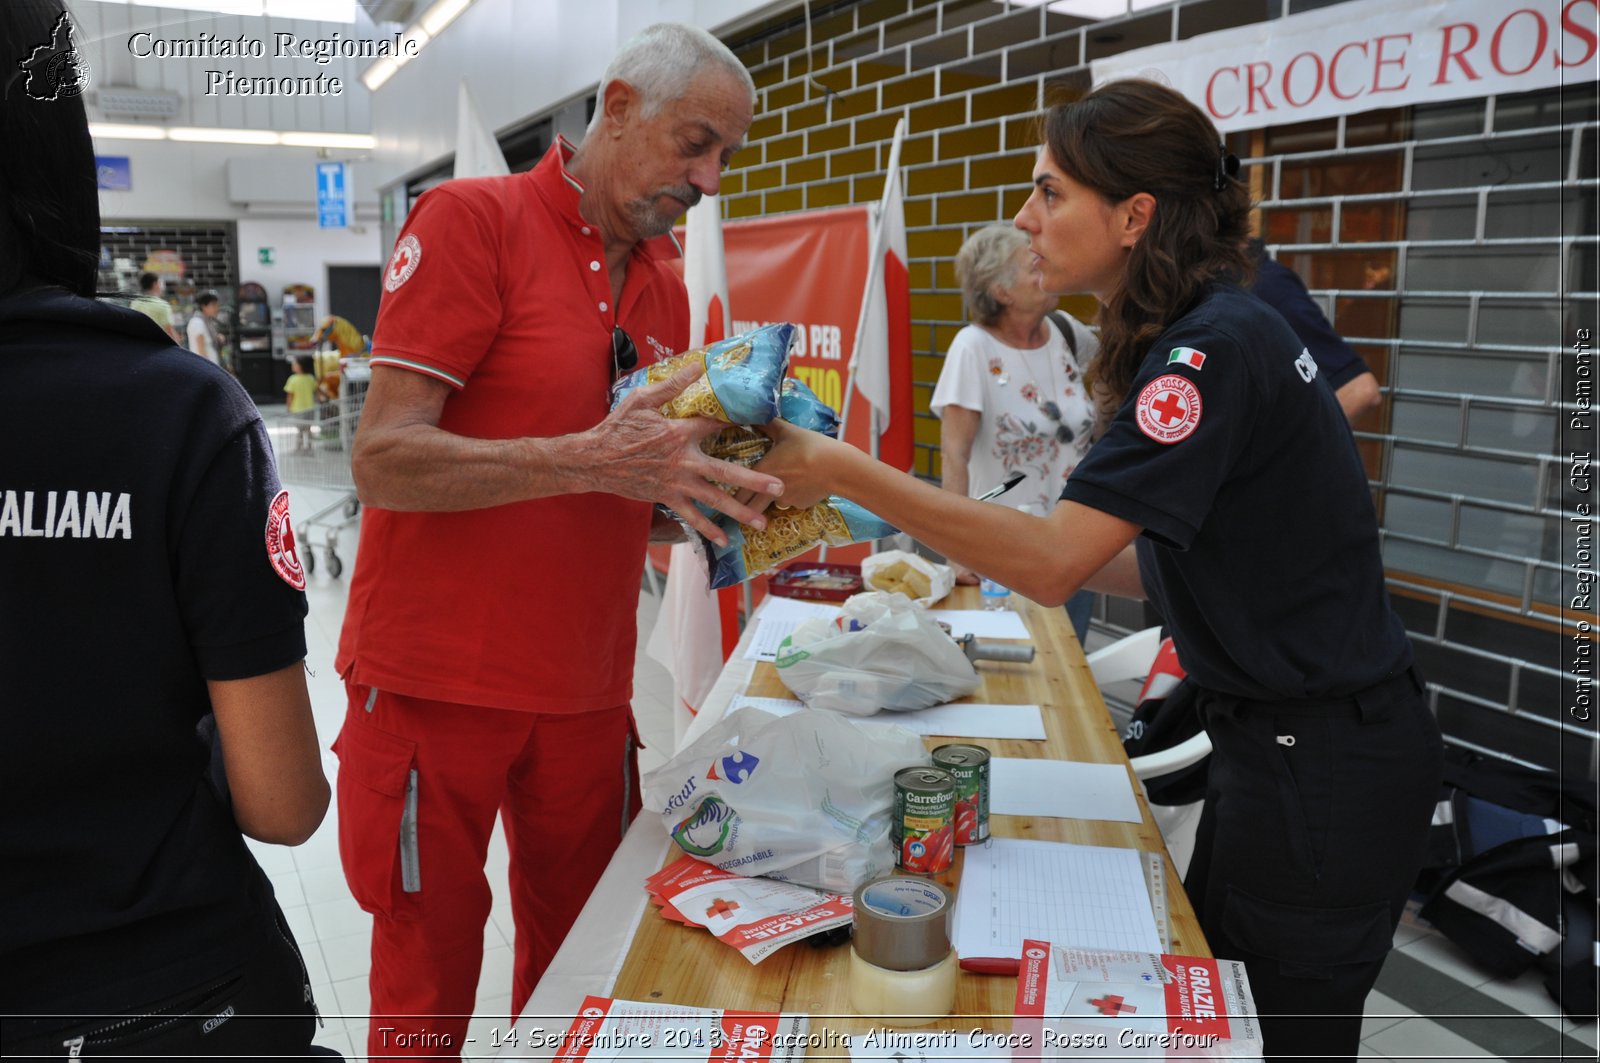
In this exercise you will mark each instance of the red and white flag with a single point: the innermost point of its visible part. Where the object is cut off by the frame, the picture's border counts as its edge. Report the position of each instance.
(883, 332)
(697, 627)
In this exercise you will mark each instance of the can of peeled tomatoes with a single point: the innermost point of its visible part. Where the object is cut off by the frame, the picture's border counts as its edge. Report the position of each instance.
(923, 828)
(969, 765)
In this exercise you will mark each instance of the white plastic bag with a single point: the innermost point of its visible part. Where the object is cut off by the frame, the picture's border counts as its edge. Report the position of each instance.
(803, 798)
(897, 658)
(890, 570)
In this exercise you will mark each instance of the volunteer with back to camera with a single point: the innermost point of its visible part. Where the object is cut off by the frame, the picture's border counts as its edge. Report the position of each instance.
(1229, 468)
(148, 590)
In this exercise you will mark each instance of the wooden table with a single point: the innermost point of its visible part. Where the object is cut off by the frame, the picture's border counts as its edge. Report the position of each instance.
(671, 963)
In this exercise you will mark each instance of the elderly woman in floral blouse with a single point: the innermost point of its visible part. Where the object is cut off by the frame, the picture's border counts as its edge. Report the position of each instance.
(1010, 398)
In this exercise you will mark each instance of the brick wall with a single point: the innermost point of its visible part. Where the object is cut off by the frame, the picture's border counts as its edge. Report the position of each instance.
(971, 77)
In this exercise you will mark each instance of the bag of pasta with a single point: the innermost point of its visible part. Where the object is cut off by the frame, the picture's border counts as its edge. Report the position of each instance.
(744, 385)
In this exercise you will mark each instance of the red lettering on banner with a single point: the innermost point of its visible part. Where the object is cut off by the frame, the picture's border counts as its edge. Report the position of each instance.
(1329, 73)
(1288, 76)
(1460, 55)
(1211, 87)
(1500, 32)
(1379, 62)
(1580, 31)
(1333, 69)
(1254, 88)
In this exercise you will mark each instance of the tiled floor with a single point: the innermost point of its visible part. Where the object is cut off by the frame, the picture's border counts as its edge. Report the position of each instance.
(1432, 1002)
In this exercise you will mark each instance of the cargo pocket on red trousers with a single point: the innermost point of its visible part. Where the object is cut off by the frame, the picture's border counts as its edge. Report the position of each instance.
(378, 816)
(1307, 942)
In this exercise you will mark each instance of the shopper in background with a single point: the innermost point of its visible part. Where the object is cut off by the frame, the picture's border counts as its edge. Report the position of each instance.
(203, 327)
(1010, 397)
(1326, 760)
(142, 612)
(152, 305)
(488, 645)
(1340, 366)
(300, 393)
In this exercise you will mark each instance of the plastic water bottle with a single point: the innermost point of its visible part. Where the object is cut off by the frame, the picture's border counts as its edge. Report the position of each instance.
(996, 596)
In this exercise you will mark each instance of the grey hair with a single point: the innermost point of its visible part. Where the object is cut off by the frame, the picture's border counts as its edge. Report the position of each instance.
(659, 61)
(985, 263)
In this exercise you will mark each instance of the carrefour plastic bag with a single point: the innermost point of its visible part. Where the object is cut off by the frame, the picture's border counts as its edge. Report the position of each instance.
(802, 798)
(882, 652)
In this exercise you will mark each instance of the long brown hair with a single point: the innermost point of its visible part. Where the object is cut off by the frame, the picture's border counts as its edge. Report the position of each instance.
(1136, 136)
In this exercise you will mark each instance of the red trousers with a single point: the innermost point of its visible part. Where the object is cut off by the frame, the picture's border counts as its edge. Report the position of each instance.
(419, 784)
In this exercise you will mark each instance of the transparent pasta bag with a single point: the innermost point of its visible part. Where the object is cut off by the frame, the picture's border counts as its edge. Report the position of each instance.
(744, 385)
(903, 572)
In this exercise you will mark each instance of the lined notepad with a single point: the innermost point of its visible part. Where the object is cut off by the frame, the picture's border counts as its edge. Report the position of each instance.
(1087, 896)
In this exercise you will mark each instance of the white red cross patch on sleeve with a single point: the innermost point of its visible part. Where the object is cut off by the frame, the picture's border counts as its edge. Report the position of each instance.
(1168, 408)
(403, 263)
(280, 543)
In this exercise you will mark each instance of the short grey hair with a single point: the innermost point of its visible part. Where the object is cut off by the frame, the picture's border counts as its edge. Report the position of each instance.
(661, 60)
(985, 262)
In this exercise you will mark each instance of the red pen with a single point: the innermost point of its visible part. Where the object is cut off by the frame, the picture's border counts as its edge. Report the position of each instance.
(990, 965)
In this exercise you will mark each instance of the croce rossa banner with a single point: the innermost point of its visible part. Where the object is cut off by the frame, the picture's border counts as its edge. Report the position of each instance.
(1369, 54)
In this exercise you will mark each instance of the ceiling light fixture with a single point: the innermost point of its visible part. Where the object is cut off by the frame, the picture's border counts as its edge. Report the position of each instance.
(208, 135)
(112, 131)
(203, 135)
(413, 39)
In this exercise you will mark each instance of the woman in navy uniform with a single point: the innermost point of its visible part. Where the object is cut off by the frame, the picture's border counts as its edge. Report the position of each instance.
(1229, 490)
(151, 631)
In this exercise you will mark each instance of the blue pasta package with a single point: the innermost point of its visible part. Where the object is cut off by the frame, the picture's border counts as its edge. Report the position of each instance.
(745, 385)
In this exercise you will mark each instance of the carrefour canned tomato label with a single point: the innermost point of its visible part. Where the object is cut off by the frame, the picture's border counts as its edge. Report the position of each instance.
(969, 765)
(922, 830)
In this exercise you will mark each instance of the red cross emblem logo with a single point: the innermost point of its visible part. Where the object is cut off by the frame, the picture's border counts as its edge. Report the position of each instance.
(280, 543)
(403, 263)
(1168, 408)
(1112, 1005)
(722, 907)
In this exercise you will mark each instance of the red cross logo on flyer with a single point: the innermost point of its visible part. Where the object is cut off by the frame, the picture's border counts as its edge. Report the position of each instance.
(1168, 408)
(722, 908)
(1112, 1004)
(403, 263)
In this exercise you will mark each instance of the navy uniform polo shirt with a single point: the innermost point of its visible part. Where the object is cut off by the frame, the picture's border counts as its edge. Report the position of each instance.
(1260, 541)
(1282, 289)
(136, 494)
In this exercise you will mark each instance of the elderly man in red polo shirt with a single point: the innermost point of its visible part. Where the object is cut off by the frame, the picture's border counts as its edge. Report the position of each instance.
(488, 644)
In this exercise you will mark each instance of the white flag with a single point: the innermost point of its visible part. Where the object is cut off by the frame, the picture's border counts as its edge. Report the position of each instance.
(705, 274)
(478, 154)
(887, 252)
(688, 637)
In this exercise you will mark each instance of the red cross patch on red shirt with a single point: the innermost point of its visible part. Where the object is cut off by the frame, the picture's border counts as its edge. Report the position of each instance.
(1168, 408)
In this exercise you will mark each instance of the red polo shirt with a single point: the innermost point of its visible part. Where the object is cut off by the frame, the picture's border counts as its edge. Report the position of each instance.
(498, 287)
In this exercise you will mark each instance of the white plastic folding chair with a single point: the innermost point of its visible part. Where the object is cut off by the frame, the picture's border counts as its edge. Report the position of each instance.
(1130, 658)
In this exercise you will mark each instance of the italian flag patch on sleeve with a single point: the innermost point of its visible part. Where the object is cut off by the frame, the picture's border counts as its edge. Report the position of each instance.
(1186, 356)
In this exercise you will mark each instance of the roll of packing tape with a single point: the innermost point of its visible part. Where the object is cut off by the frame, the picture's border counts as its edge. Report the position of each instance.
(902, 924)
(902, 969)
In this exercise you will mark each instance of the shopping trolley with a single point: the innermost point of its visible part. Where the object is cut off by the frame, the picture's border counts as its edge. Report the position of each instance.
(313, 449)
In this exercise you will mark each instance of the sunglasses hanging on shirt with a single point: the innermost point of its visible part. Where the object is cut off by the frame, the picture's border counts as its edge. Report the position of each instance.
(624, 355)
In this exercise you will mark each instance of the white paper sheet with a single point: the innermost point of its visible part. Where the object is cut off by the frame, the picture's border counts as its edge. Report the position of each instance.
(1083, 895)
(960, 720)
(984, 623)
(778, 618)
(1065, 789)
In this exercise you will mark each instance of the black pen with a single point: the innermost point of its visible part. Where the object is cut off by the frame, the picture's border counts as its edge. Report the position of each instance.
(1010, 481)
